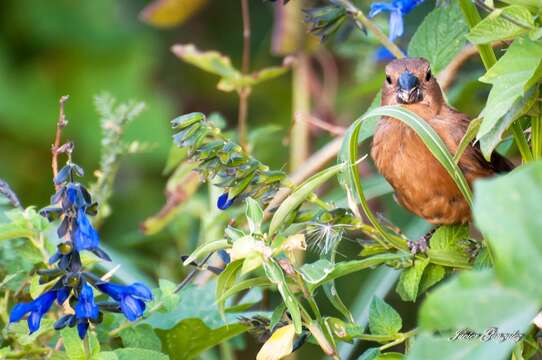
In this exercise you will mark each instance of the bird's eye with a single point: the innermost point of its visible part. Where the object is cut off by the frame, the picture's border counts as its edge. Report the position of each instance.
(388, 79)
(428, 75)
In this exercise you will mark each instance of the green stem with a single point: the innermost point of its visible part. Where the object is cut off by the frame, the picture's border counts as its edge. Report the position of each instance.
(472, 17)
(521, 142)
(536, 136)
(363, 22)
(299, 134)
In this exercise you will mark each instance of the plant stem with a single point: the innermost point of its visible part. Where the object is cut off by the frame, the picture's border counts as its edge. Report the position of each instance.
(472, 17)
(60, 125)
(400, 340)
(521, 142)
(299, 134)
(244, 92)
(536, 135)
(364, 23)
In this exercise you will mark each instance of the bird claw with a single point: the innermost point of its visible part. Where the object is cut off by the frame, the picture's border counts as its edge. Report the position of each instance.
(419, 246)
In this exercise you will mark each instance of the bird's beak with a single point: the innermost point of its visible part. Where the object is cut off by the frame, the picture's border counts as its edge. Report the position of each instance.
(409, 88)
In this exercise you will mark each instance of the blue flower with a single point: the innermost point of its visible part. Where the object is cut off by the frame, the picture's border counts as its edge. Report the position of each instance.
(37, 308)
(397, 9)
(131, 297)
(85, 236)
(223, 202)
(384, 55)
(85, 310)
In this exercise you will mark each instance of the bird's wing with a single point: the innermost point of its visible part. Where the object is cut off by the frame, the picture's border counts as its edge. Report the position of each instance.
(472, 161)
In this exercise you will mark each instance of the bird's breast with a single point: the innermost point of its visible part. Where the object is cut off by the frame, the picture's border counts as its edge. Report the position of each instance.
(420, 182)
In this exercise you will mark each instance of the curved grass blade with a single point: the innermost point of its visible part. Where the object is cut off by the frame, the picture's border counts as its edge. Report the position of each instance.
(349, 154)
(300, 194)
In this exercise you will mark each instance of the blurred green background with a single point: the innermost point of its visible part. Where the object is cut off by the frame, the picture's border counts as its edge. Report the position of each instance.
(83, 48)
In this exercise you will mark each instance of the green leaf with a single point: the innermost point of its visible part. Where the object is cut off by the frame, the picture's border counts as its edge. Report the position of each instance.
(191, 337)
(512, 76)
(225, 281)
(520, 107)
(259, 282)
(275, 274)
(470, 135)
(495, 27)
(300, 194)
(210, 61)
(139, 354)
(141, 336)
(391, 356)
(14, 231)
(463, 303)
(315, 272)
(428, 346)
(254, 214)
(344, 268)
(383, 319)
(207, 248)
(440, 36)
(506, 210)
(168, 297)
(528, 3)
(431, 276)
(74, 346)
(409, 281)
(370, 354)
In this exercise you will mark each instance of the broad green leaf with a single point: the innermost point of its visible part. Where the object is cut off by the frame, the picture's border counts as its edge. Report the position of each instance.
(383, 319)
(169, 13)
(254, 214)
(139, 354)
(279, 345)
(409, 281)
(206, 249)
(225, 281)
(431, 276)
(300, 194)
(370, 354)
(515, 72)
(191, 337)
(428, 346)
(495, 27)
(470, 135)
(168, 297)
(506, 210)
(315, 272)
(448, 242)
(391, 356)
(104, 355)
(440, 36)
(14, 231)
(210, 61)
(74, 345)
(476, 300)
(195, 302)
(520, 107)
(275, 274)
(141, 336)
(22, 333)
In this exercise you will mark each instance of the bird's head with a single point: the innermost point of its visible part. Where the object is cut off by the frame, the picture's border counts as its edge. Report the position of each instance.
(410, 81)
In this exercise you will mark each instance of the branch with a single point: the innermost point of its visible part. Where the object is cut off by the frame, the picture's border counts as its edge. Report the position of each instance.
(60, 125)
(6, 190)
(363, 22)
(244, 92)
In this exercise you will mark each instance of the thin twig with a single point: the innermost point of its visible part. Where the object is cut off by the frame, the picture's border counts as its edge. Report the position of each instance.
(313, 120)
(6, 190)
(363, 23)
(60, 125)
(244, 92)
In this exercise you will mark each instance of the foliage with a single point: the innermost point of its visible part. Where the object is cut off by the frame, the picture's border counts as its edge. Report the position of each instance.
(265, 246)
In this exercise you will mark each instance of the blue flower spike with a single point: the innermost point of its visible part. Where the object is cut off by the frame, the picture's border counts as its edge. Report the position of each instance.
(85, 310)
(397, 9)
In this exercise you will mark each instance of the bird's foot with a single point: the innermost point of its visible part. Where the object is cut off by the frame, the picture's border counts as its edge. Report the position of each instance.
(421, 245)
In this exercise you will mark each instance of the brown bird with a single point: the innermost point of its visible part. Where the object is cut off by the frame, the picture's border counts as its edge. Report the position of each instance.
(421, 183)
